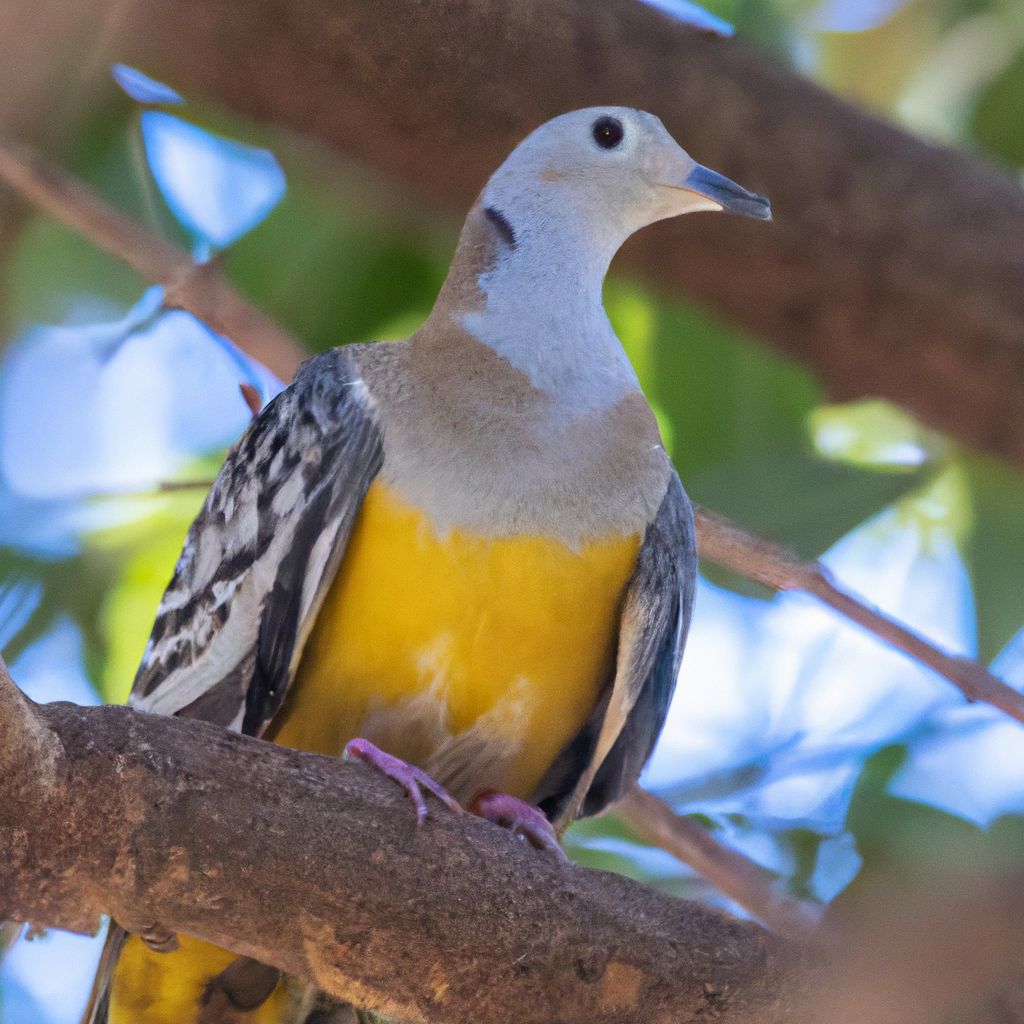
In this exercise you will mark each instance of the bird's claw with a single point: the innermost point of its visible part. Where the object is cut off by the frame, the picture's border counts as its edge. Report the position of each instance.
(408, 776)
(522, 819)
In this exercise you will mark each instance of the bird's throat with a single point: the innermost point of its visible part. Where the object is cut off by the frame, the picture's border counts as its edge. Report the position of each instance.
(540, 309)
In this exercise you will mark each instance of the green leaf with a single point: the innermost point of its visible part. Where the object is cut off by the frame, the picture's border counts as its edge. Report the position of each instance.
(724, 395)
(910, 843)
(995, 124)
(72, 588)
(682, 884)
(993, 551)
(802, 502)
(328, 275)
(52, 268)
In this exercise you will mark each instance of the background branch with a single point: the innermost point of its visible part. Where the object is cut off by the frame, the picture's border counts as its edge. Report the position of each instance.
(729, 871)
(893, 267)
(764, 562)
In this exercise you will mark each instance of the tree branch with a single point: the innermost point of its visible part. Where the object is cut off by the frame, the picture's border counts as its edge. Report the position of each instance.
(201, 289)
(894, 267)
(315, 866)
(760, 560)
(729, 871)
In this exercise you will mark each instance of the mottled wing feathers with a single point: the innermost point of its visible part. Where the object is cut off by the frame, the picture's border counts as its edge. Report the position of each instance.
(262, 552)
(606, 757)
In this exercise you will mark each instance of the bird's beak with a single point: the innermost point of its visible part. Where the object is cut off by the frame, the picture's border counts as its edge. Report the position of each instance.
(726, 194)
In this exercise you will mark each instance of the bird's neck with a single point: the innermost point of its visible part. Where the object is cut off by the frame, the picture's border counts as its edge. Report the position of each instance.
(529, 287)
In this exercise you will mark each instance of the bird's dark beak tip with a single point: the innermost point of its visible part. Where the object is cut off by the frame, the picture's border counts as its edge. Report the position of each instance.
(763, 210)
(751, 205)
(759, 209)
(727, 194)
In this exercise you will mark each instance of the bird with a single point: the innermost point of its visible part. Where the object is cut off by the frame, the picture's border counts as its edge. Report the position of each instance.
(464, 558)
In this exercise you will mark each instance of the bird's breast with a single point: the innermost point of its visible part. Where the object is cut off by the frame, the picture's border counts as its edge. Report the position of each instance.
(477, 657)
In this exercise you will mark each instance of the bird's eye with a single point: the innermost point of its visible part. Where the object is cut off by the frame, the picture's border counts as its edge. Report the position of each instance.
(607, 132)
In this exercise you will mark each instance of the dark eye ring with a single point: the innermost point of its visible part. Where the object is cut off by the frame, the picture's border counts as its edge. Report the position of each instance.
(607, 132)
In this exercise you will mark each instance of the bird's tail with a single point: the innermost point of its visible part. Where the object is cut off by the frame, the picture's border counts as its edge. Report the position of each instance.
(99, 999)
(242, 985)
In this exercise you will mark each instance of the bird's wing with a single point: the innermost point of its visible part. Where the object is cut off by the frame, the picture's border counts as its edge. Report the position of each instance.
(606, 757)
(262, 552)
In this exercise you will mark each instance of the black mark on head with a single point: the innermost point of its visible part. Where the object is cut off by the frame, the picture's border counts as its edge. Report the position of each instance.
(501, 225)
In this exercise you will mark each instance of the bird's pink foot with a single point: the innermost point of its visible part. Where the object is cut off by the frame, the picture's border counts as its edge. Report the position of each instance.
(520, 818)
(408, 776)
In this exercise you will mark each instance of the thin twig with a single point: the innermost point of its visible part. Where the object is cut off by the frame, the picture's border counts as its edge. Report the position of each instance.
(728, 870)
(726, 544)
(173, 486)
(200, 289)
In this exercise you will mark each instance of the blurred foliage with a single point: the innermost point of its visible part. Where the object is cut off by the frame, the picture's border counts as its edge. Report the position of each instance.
(914, 846)
(748, 429)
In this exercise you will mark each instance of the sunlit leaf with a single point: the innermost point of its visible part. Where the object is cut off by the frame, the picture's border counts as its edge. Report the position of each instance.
(218, 189)
(140, 87)
(870, 433)
(693, 14)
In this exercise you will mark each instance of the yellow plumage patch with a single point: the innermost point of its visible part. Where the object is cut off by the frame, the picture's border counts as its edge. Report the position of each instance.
(436, 646)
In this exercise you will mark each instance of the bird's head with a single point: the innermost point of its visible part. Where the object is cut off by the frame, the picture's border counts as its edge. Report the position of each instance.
(617, 168)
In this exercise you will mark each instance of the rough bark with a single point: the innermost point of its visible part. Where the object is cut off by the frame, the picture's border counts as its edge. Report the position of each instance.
(893, 267)
(315, 866)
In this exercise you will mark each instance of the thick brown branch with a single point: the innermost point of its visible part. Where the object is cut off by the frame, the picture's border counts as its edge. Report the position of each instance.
(760, 560)
(893, 267)
(315, 866)
(200, 289)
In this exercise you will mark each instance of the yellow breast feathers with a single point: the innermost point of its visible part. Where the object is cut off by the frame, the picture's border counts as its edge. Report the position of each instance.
(477, 658)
